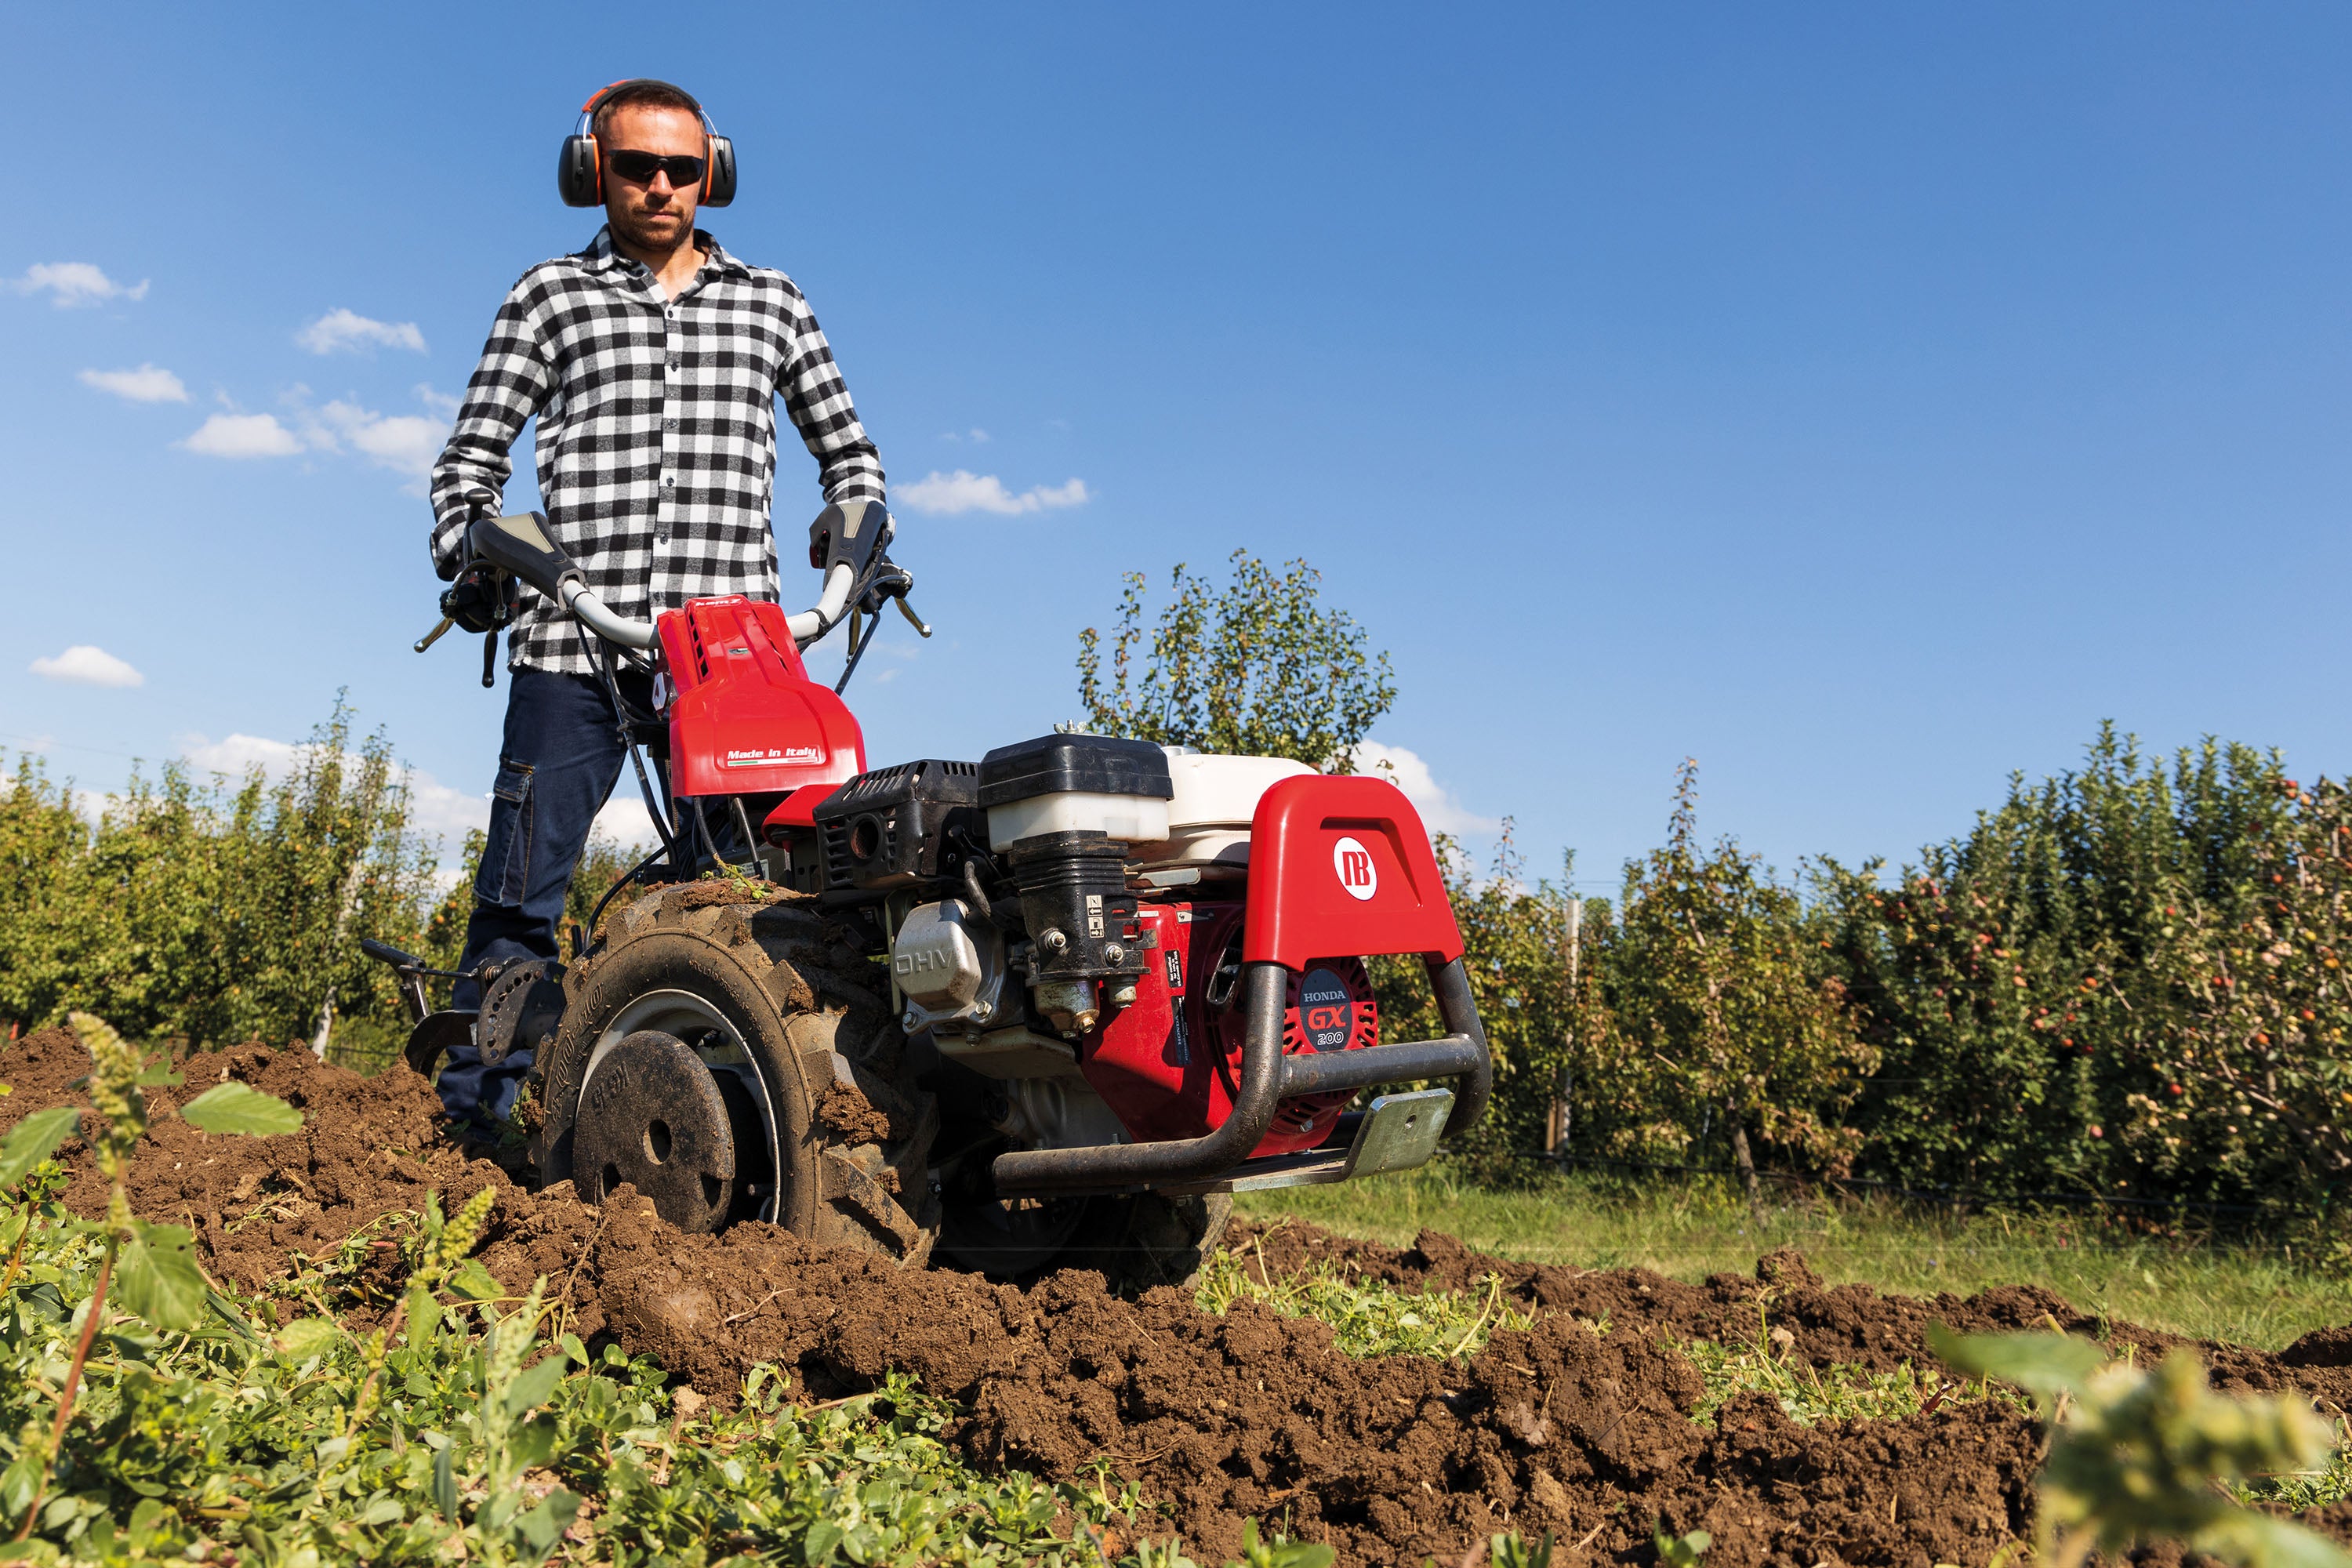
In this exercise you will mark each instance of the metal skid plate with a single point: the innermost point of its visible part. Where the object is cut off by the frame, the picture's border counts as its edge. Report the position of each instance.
(1398, 1132)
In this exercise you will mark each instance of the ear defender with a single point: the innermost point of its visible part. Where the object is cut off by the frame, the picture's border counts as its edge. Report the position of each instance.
(718, 175)
(580, 168)
(580, 173)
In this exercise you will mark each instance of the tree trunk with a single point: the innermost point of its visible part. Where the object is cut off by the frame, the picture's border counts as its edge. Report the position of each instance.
(1747, 1164)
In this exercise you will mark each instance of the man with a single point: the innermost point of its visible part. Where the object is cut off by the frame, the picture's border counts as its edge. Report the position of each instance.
(651, 360)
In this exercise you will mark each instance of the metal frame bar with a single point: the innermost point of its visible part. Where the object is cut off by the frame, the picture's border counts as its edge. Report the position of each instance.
(1268, 1078)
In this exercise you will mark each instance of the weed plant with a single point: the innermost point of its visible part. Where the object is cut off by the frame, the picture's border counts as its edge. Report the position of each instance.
(1367, 1318)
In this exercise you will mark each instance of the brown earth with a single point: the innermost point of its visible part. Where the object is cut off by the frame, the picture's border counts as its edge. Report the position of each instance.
(1558, 1428)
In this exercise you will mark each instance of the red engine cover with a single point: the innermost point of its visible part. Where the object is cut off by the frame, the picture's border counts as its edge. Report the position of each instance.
(745, 718)
(1168, 1064)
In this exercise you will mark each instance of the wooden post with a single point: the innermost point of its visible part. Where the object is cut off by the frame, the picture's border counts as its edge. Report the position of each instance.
(1555, 1122)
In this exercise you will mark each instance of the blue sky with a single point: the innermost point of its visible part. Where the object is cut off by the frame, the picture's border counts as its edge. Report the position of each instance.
(1864, 400)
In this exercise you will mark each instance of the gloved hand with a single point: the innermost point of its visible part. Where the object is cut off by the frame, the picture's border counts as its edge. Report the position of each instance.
(482, 599)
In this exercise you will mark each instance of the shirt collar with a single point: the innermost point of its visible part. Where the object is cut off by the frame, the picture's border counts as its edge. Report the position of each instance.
(600, 255)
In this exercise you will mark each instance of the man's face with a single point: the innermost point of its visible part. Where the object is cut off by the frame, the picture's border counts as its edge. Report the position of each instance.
(656, 215)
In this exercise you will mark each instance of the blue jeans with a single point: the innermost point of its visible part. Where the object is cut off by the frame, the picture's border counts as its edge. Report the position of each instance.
(560, 759)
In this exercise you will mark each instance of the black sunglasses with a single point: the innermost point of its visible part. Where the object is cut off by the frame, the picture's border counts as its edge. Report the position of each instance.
(641, 167)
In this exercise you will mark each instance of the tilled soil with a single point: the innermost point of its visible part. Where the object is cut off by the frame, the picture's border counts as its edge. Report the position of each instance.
(1252, 1414)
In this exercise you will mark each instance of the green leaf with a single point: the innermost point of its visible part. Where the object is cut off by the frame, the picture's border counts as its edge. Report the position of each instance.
(532, 1443)
(571, 1343)
(159, 1075)
(156, 1276)
(306, 1337)
(543, 1526)
(231, 1316)
(2044, 1364)
(423, 1316)
(34, 1140)
(534, 1384)
(241, 1108)
(445, 1483)
(1683, 1550)
(17, 1483)
(474, 1282)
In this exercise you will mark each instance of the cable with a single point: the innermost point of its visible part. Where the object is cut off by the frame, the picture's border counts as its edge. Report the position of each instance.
(624, 878)
(629, 741)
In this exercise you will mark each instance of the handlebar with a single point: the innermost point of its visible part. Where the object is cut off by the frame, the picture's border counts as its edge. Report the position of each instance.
(521, 547)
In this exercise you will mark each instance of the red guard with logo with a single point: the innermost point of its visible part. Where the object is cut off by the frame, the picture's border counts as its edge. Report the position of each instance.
(745, 718)
(1343, 865)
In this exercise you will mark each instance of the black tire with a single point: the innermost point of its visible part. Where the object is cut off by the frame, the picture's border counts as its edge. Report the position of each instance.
(778, 983)
(1135, 1242)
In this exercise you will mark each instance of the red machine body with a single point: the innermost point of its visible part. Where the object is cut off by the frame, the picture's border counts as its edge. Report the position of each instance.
(744, 717)
(1336, 865)
(1169, 1063)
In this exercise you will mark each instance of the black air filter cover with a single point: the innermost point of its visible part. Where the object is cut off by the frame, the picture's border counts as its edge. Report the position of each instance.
(887, 828)
(1059, 764)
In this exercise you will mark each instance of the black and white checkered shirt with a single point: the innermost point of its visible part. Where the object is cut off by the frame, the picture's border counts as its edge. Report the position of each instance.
(657, 433)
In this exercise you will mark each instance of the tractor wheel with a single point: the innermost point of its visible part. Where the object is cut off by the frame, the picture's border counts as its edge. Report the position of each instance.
(1134, 1242)
(733, 1060)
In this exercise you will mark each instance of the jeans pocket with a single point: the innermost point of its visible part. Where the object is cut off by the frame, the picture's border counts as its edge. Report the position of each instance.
(505, 873)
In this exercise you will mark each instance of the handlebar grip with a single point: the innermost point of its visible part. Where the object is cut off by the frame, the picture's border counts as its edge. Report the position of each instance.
(388, 954)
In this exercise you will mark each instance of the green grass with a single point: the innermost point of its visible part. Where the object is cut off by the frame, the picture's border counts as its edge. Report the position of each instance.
(1371, 1319)
(2246, 1292)
(1837, 1392)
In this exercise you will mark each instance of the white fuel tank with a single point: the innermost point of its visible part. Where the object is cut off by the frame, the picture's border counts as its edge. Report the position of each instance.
(1209, 815)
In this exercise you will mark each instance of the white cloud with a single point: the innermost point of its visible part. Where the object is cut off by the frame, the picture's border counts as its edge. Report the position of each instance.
(348, 332)
(1440, 812)
(404, 443)
(624, 819)
(434, 809)
(148, 384)
(70, 283)
(976, 436)
(243, 435)
(86, 665)
(948, 495)
(240, 752)
(440, 403)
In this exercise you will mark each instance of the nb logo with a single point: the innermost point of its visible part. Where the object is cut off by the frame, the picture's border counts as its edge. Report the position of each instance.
(1357, 873)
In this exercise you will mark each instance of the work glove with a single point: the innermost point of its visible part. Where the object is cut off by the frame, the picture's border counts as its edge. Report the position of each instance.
(482, 599)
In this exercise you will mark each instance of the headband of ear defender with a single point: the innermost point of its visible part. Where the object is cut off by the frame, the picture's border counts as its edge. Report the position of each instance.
(580, 168)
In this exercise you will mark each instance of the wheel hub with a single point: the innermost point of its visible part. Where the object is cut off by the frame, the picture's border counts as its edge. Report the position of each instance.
(655, 1117)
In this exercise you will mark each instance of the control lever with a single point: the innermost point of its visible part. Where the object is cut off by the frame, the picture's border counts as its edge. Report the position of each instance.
(913, 619)
(429, 638)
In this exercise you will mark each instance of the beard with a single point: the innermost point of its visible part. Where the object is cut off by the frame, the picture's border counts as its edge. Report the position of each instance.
(664, 228)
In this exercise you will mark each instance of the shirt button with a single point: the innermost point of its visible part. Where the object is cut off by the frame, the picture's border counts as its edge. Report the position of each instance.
(669, 424)
(668, 482)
